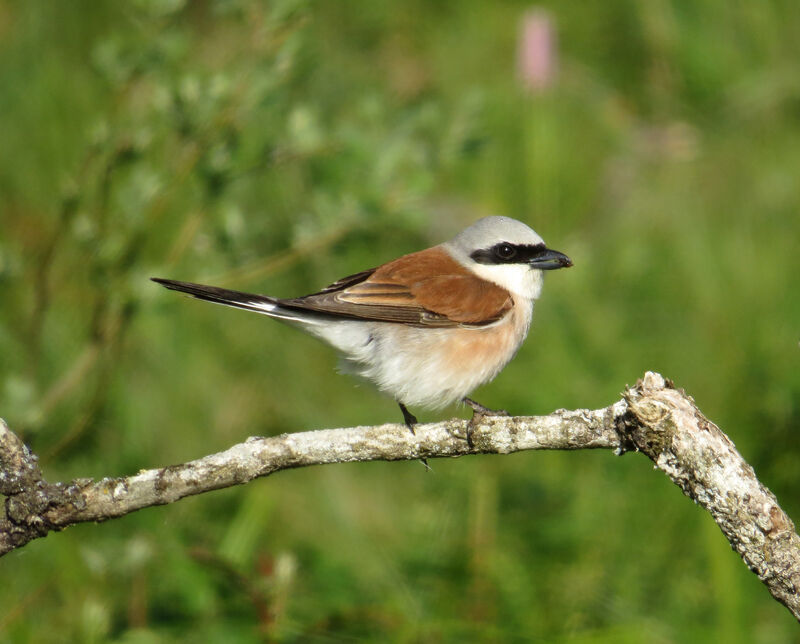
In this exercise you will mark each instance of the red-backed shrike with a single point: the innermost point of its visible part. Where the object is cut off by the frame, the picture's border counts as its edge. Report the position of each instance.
(429, 327)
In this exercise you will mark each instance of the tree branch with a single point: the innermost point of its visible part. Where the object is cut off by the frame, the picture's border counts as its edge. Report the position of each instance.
(652, 417)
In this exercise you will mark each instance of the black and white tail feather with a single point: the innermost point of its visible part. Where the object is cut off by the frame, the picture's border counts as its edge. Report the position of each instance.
(264, 304)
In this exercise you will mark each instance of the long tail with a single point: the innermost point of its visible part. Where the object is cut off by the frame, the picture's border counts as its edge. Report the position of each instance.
(248, 301)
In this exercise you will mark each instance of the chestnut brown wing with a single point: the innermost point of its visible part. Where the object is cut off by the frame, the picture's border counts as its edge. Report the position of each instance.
(428, 288)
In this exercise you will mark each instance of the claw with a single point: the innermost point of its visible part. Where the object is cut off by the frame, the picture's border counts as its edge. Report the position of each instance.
(478, 413)
(411, 420)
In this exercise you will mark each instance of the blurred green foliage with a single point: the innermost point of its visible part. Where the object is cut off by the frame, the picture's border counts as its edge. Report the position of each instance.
(274, 146)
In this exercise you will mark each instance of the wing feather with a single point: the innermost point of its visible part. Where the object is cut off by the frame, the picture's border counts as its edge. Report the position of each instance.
(428, 288)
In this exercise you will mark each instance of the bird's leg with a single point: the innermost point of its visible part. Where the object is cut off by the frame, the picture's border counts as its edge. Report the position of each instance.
(478, 413)
(411, 420)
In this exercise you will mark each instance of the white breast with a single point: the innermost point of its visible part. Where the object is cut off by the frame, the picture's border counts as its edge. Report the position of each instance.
(434, 367)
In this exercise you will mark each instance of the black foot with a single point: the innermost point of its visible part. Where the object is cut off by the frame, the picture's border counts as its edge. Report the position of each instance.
(408, 418)
(411, 420)
(478, 413)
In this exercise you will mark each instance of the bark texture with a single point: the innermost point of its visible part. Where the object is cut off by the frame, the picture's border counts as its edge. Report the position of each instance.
(653, 417)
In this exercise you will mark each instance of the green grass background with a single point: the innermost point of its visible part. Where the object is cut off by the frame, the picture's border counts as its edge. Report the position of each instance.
(274, 146)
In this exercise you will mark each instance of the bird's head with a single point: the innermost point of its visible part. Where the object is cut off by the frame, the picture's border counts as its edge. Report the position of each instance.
(507, 252)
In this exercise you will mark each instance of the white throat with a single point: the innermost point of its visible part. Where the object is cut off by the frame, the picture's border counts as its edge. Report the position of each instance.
(521, 280)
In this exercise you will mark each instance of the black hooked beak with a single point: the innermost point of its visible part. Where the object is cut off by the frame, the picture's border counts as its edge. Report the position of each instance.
(548, 260)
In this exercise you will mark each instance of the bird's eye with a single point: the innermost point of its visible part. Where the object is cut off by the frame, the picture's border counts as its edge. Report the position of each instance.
(505, 251)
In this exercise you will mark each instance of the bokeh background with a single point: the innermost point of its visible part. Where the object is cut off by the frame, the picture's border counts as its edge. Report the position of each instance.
(274, 146)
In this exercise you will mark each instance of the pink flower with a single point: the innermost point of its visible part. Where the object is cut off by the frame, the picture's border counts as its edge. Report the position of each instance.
(538, 54)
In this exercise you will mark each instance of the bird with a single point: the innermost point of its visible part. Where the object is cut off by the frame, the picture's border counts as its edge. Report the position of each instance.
(426, 328)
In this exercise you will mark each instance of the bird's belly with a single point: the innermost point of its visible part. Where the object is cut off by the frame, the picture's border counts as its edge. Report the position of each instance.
(435, 367)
